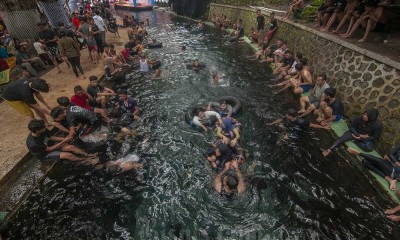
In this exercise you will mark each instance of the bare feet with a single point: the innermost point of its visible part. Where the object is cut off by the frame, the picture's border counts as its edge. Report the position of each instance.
(362, 40)
(343, 35)
(334, 32)
(326, 152)
(393, 185)
(317, 25)
(275, 92)
(91, 161)
(390, 211)
(353, 151)
(394, 218)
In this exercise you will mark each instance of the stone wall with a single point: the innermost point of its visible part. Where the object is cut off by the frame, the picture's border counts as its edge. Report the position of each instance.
(250, 2)
(363, 79)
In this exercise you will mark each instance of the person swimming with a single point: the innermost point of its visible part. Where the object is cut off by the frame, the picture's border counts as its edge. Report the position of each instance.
(230, 183)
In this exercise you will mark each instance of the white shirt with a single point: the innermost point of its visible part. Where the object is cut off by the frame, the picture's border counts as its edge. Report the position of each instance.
(207, 115)
(99, 22)
(144, 67)
(38, 47)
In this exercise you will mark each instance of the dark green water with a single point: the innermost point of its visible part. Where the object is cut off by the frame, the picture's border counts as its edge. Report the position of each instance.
(293, 192)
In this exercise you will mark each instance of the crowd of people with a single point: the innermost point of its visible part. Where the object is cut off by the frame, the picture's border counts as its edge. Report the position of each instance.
(87, 107)
(316, 96)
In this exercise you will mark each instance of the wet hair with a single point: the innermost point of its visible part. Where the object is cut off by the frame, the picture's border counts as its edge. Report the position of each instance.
(122, 91)
(215, 75)
(40, 85)
(93, 78)
(199, 110)
(304, 61)
(56, 112)
(78, 88)
(331, 92)
(36, 125)
(61, 33)
(298, 67)
(291, 112)
(232, 181)
(210, 152)
(323, 76)
(63, 101)
(183, 48)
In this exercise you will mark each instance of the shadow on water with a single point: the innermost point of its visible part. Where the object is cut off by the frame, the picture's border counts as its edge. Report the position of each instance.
(294, 193)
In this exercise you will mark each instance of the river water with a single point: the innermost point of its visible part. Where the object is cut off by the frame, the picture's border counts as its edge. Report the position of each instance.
(293, 192)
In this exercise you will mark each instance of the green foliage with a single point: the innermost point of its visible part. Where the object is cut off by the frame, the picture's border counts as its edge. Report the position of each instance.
(309, 13)
(317, 3)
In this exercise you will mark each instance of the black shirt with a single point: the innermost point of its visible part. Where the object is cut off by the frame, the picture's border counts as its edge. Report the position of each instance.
(93, 91)
(287, 61)
(38, 145)
(130, 45)
(20, 90)
(260, 22)
(48, 35)
(96, 36)
(337, 107)
(273, 24)
(298, 124)
(77, 115)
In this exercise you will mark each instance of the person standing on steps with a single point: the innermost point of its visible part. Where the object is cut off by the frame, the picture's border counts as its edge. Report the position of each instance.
(101, 25)
(49, 38)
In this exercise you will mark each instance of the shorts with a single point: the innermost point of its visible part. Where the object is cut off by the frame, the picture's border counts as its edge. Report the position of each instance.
(92, 48)
(54, 51)
(314, 101)
(338, 117)
(306, 88)
(54, 155)
(21, 107)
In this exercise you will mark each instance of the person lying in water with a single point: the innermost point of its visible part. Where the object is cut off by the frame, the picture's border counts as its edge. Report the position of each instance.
(217, 78)
(205, 116)
(292, 121)
(223, 151)
(230, 182)
(391, 214)
(123, 123)
(129, 162)
(196, 65)
(39, 143)
(383, 167)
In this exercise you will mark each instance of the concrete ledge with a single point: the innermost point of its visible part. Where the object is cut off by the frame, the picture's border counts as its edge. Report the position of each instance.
(375, 56)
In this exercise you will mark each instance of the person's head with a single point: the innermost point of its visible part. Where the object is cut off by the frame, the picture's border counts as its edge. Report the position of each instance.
(111, 46)
(39, 85)
(132, 39)
(370, 115)
(222, 105)
(284, 45)
(258, 12)
(200, 112)
(63, 102)
(323, 105)
(210, 154)
(304, 61)
(78, 90)
(90, 20)
(37, 126)
(230, 182)
(215, 77)
(37, 40)
(183, 48)
(93, 81)
(288, 54)
(298, 67)
(123, 94)
(61, 25)
(58, 114)
(321, 78)
(41, 26)
(330, 93)
(154, 40)
(142, 57)
(278, 43)
(61, 33)
(291, 114)
(157, 72)
(298, 56)
(272, 15)
(196, 63)
(97, 12)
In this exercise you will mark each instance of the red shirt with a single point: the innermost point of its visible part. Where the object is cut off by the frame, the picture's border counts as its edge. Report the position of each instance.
(76, 22)
(81, 101)
(125, 53)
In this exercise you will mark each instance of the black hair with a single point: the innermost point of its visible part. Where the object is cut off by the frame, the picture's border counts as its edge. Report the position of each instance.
(61, 24)
(288, 51)
(291, 112)
(122, 91)
(299, 55)
(232, 181)
(210, 152)
(331, 92)
(93, 78)
(199, 110)
(284, 42)
(78, 88)
(18, 47)
(40, 85)
(63, 101)
(222, 102)
(304, 61)
(298, 67)
(56, 112)
(323, 76)
(41, 24)
(36, 125)
(111, 45)
(61, 33)
(37, 39)
(183, 48)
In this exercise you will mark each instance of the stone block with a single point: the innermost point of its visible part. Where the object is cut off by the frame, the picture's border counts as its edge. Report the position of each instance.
(378, 83)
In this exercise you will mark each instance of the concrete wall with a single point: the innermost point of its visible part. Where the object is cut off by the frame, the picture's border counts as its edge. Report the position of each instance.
(363, 79)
